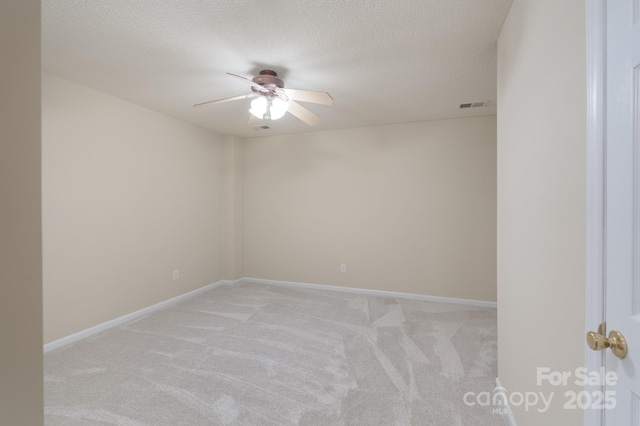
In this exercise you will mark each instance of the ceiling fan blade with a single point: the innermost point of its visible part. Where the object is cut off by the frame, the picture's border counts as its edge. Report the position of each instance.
(246, 80)
(322, 98)
(234, 98)
(302, 113)
(254, 121)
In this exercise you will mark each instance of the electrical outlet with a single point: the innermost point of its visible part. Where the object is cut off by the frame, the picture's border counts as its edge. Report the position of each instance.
(343, 267)
(176, 275)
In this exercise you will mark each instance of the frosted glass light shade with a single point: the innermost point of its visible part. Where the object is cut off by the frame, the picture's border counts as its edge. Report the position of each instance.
(268, 109)
(278, 108)
(259, 107)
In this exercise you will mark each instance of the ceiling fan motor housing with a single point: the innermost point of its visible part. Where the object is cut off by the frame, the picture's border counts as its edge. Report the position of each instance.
(268, 79)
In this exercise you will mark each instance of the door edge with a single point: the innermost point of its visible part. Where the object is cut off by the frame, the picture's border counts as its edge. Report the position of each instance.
(595, 180)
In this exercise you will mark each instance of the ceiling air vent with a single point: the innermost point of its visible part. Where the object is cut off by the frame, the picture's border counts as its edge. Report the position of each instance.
(262, 127)
(474, 105)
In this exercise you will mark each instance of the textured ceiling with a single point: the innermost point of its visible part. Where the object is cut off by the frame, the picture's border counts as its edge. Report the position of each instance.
(381, 61)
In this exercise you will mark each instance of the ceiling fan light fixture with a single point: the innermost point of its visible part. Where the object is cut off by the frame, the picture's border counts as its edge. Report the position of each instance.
(268, 109)
(271, 100)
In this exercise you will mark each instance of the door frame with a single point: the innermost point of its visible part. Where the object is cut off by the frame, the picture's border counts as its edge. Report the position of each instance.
(595, 186)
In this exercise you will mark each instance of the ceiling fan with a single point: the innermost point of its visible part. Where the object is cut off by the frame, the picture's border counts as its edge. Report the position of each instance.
(271, 100)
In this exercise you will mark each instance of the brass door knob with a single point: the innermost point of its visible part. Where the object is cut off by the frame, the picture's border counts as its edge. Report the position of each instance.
(615, 341)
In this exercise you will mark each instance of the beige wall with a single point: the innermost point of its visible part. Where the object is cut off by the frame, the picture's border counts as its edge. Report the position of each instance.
(541, 199)
(234, 200)
(129, 195)
(408, 208)
(20, 219)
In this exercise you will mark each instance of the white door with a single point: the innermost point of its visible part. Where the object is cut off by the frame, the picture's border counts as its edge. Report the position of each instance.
(622, 204)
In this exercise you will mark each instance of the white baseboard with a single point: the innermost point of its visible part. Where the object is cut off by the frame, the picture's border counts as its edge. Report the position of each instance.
(506, 408)
(480, 303)
(128, 317)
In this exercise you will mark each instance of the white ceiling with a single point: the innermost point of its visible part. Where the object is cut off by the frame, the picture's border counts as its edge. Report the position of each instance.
(381, 61)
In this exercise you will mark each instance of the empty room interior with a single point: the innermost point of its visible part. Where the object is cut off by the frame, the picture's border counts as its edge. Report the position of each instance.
(402, 240)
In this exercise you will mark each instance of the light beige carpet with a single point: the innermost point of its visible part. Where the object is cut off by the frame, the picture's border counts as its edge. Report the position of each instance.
(255, 354)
